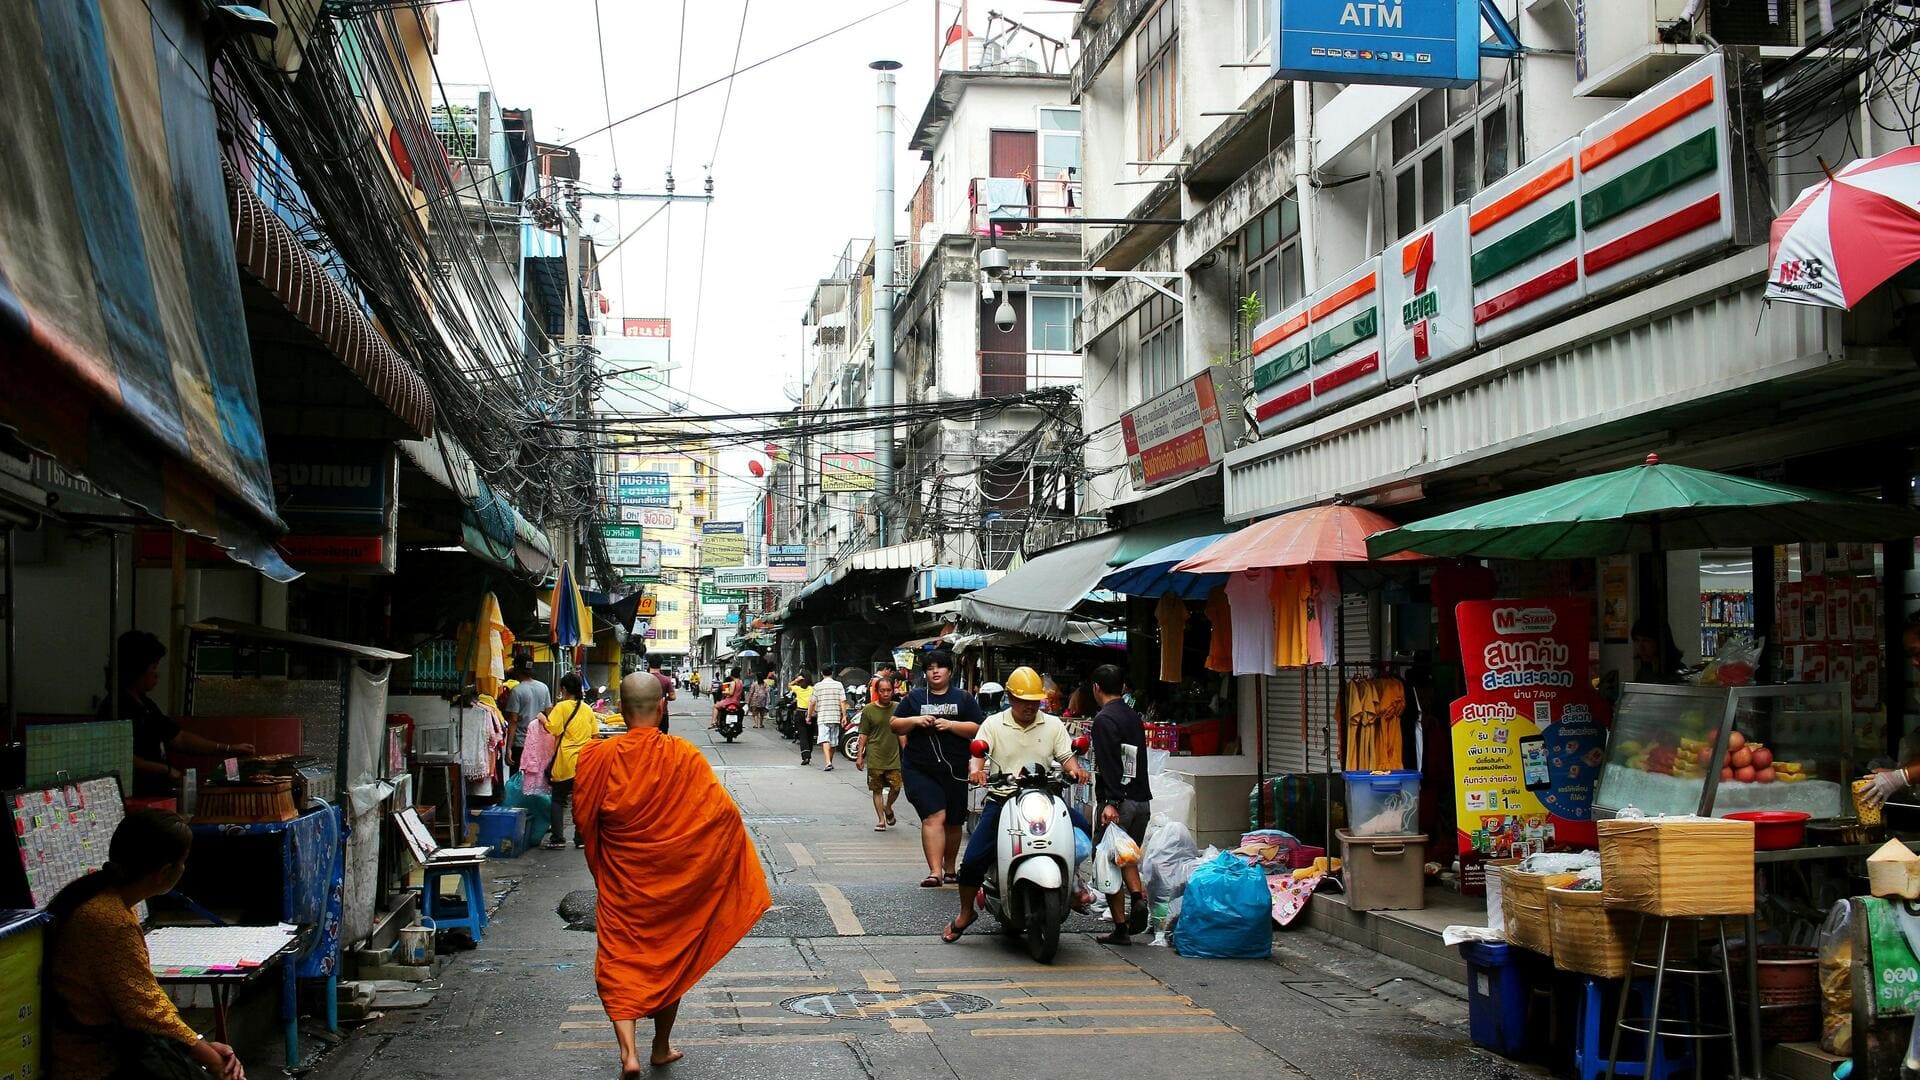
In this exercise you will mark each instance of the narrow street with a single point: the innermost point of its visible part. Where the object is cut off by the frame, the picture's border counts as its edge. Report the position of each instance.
(849, 919)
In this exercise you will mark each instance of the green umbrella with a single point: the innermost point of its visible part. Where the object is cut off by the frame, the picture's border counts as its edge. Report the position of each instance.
(1650, 507)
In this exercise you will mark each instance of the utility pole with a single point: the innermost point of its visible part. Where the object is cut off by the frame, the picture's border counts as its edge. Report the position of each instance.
(570, 339)
(883, 216)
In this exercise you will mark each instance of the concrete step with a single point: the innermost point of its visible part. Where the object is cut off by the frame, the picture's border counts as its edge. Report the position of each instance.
(1412, 937)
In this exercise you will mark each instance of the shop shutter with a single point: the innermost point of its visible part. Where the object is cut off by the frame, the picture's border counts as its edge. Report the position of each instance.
(1288, 749)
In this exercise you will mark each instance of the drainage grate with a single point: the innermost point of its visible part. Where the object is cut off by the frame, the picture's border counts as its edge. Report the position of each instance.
(885, 1004)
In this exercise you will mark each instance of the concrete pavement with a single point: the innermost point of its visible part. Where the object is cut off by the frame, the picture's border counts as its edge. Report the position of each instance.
(847, 977)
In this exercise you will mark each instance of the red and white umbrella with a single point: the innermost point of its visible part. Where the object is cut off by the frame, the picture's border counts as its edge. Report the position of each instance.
(1848, 233)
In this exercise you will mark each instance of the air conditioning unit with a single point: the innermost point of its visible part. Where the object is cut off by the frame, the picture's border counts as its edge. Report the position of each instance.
(1622, 47)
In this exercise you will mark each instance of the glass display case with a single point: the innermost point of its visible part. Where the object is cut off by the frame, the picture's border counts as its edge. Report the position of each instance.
(1716, 750)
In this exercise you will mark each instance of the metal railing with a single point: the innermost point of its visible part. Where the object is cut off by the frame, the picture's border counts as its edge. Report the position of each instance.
(1005, 372)
(992, 198)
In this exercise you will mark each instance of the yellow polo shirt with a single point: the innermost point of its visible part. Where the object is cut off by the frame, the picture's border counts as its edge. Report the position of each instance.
(575, 728)
(1011, 747)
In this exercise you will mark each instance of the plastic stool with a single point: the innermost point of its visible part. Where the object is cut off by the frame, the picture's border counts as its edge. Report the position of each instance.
(1590, 1058)
(468, 913)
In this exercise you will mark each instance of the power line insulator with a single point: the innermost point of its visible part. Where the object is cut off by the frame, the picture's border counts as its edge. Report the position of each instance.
(709, 183)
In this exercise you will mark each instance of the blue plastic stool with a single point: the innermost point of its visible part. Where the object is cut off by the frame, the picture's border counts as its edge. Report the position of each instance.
(468, 913)
(1590, 1051)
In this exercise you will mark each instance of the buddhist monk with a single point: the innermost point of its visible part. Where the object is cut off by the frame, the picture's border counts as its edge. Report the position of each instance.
(679, 880)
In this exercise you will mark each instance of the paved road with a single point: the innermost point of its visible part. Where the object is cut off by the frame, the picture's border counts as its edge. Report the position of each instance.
(847, 977)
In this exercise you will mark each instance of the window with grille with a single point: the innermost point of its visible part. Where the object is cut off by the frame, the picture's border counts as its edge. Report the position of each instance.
(1449, 144)
(1156, 78)
(1269, 255)
(1161, 360)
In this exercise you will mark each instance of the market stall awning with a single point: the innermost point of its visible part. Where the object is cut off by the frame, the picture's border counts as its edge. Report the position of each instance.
(267, 635)
(1154, 535)
(122, 332)
(928, 583)
(1038, 597)
(908, 556)
(1649, 507)
(490, 528)
(1153, 574)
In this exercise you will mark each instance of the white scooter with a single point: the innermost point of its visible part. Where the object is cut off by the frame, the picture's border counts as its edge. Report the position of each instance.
(1031, 887)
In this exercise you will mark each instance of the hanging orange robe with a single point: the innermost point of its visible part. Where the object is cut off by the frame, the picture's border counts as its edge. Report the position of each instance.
(679, 880)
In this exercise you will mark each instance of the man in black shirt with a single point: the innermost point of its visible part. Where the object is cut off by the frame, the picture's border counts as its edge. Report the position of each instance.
(1120, 786)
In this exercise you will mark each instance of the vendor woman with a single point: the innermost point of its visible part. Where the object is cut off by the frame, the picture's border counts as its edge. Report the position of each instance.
(155, 734)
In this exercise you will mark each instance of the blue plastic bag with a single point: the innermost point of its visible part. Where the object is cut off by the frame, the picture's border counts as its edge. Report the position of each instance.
(1227, 912)
(539, 808)
(1082, 846)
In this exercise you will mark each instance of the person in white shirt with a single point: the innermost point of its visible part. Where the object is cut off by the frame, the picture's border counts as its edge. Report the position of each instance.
(828, 710)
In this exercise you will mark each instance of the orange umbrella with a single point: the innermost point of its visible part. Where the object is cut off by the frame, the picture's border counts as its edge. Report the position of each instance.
(1319, 534)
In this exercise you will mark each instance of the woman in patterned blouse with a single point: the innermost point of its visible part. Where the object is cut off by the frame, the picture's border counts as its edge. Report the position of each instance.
(109, 1016)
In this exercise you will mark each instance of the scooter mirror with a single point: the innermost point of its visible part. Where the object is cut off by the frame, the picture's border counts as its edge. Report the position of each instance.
(979, 748)
(1081, 744)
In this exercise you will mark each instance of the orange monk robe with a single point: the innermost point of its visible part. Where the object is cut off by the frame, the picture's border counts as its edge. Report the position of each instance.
(679, 880)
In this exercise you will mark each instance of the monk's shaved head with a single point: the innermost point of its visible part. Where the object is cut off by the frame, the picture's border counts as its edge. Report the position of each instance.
(640, 699)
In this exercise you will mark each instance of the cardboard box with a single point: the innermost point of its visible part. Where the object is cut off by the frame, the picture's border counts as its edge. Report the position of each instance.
(1839, 609)
(1787, 616)
(1866, 679)
(1592, 940)
(1813, 560)
(1866, 609)
(1677, 866)
(1840, 665)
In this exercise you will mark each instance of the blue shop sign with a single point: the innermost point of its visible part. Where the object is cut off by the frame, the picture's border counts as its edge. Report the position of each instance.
(643, 489)
(1434, 43)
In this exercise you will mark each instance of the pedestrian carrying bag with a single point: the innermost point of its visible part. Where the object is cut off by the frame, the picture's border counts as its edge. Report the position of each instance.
(1227, 912)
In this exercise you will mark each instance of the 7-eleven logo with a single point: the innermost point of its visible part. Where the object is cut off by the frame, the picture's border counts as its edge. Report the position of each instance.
(1417, 259)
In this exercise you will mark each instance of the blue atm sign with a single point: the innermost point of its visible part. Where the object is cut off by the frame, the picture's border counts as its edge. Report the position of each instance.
(1391, 42)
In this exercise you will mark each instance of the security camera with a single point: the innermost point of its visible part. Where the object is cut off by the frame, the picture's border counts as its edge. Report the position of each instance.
(993, 261)
(1003, 315)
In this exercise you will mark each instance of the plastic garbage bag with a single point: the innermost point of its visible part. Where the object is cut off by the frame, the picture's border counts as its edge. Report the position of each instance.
(1172, 796)
(1836, 981)
(1226, 912)
(1082, 846)
(1168, 861)
(539, 807)
(1120, 847)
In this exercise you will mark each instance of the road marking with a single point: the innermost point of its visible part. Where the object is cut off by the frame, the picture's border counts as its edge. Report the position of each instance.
(910, 1027)
(779, 1021)
(845, 923)
(716, 976)
(801, 857)
(881, 981)
(1023, 968)
(973, 987)
(1022, 999)
(1041, 1014)
(730, 1040)
(764, 989)
(1055, 1033)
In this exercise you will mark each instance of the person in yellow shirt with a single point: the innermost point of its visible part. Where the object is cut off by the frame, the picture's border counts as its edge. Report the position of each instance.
(573, 725)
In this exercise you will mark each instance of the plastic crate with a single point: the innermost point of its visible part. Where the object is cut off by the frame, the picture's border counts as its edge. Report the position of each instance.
(503, 831)
(1384, 873)
(1383, 803)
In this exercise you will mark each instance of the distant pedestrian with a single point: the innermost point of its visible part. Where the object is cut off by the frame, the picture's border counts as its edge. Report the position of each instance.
(829, 711)
(879, 752)
(524, 705)
(758, 698)
(1121, 788)
(573, 726)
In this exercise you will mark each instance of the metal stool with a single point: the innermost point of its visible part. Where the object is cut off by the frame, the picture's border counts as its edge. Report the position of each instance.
(1649, 1027)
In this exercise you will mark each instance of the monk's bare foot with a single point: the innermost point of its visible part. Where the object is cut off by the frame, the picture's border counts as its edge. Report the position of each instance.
(629, 1070)
(658, 1059)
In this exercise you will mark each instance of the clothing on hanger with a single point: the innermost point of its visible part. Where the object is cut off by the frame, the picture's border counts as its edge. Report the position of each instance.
(1323, 608)
(1252, 621)
(1171, 612)
(1291, 620)
(1220, 645)
(1373, 708)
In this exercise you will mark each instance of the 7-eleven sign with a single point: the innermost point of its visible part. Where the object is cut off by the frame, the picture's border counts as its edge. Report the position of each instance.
(1427, 298)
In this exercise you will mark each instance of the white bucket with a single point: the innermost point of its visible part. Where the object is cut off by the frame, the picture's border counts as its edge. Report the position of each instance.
(415, 947)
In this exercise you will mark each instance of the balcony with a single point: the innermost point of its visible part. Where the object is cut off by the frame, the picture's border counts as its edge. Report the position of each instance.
(1017, 372)
(992, 199)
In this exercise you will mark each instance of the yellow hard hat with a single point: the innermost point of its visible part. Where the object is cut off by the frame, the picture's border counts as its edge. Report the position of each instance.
(1025, 685)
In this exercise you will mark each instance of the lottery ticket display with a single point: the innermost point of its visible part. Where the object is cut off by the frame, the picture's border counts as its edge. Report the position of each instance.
(63, 833)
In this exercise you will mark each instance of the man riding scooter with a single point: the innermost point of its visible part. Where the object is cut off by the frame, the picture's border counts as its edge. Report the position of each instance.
(1021, 736)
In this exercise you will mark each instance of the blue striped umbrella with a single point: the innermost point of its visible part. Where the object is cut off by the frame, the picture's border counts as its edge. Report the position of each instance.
(1153, 574)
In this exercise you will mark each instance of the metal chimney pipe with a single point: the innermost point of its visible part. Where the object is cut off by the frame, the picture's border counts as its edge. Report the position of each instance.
(883, 219)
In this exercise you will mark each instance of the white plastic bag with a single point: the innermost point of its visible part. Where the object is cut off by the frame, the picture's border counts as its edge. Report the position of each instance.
(1168, 861)
(1172, 797)
(1119, 848)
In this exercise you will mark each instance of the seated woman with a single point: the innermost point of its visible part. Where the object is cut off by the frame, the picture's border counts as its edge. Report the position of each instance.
(108, 1017)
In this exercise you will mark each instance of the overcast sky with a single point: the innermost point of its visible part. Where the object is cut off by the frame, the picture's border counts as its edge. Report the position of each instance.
(793, 166)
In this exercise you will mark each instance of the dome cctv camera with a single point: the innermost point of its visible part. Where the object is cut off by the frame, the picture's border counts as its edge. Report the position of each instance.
(1003, 315)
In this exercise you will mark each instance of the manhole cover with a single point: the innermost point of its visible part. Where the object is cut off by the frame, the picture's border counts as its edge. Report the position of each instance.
(885, 1004)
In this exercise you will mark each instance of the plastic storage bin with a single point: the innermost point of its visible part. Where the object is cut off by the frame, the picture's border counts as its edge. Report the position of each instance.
(1496, 998)
(1384, 873)
(1383, 803)
(503, 830)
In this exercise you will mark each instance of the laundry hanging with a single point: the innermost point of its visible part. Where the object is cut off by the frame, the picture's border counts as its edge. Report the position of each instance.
(1220, 645)
(1252, 620)
(1171, 611)
(1288, 593)
(1373, 708)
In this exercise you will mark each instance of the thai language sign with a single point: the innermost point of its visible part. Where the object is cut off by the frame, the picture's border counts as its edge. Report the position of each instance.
(739, 577)
(643, 489)
(1528, 736)
(650, 517)
(787, 564)
(846, 472)
(723, 543)
(623, 544)
(1175, 434)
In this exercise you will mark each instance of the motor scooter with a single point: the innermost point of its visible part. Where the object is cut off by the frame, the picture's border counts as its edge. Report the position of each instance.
(731, 722)
(1031, 887)
(786, 715)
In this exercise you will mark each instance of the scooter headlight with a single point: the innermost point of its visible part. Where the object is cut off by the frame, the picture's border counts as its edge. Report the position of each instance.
(1037, 809)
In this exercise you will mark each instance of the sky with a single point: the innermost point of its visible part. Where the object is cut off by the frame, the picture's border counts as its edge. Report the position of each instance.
(792, 164)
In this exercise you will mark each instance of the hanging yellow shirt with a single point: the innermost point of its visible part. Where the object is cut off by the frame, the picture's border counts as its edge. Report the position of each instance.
(574, 730)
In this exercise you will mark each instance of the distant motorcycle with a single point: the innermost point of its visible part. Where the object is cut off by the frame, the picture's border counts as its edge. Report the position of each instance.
(786, 716)
(731, 722)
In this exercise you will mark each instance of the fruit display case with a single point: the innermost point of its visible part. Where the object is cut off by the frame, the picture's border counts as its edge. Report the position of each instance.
(1715, 750)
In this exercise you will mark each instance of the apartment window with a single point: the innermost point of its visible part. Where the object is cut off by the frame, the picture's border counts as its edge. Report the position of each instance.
(1449, 144)
(1253, 27)
(1156, 76)
(1269, 249)
(1059, 144)
(1161, 362)
(1050, 319)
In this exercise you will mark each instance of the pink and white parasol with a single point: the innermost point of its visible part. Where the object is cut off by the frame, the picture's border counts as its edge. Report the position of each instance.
(1848, 233)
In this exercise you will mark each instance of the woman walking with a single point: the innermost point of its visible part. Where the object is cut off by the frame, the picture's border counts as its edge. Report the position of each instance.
(572, 725)
(758, 698)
